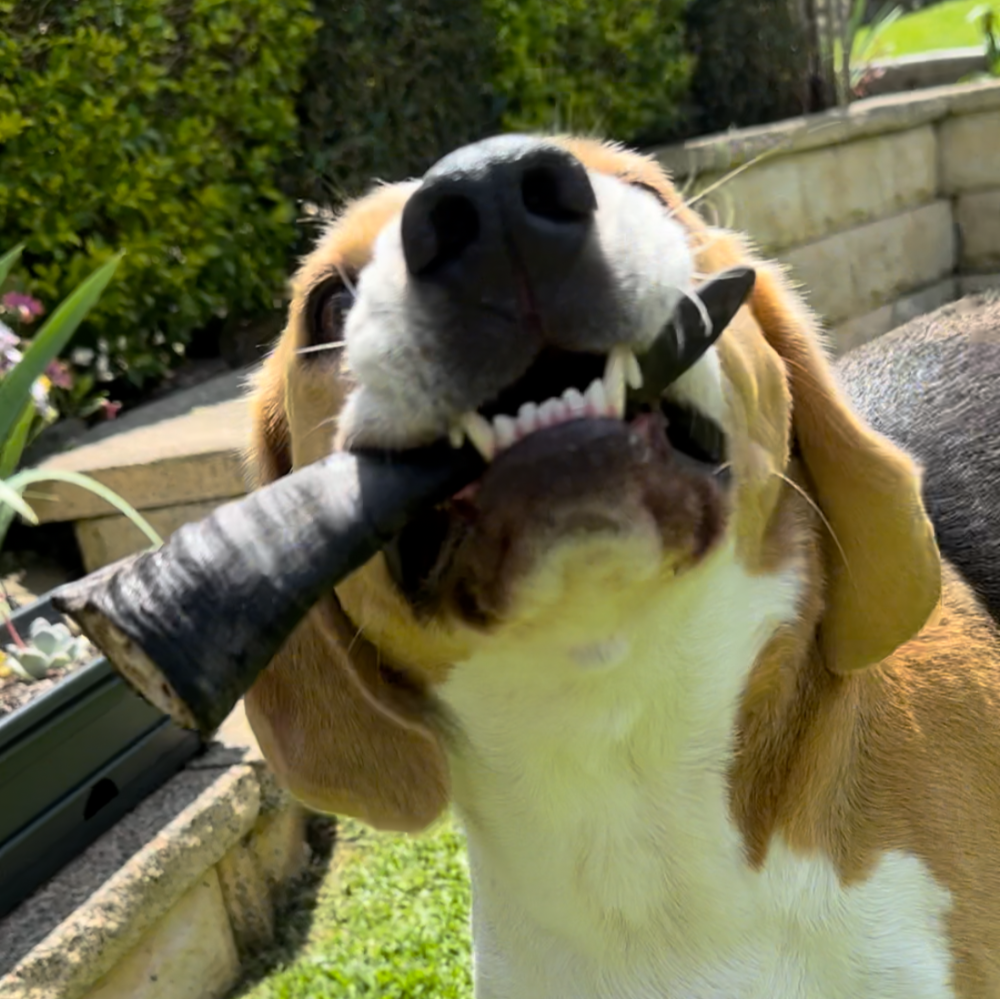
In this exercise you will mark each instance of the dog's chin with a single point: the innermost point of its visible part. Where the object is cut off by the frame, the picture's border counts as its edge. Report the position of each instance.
(563, 508)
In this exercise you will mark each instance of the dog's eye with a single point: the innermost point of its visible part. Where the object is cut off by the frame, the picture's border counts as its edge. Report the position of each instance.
(326, 310)
(649, 189)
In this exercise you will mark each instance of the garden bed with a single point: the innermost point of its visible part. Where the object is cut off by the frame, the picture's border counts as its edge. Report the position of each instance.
(77, 752)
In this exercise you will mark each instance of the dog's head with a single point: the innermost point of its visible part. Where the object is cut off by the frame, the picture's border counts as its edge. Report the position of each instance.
(504, 299)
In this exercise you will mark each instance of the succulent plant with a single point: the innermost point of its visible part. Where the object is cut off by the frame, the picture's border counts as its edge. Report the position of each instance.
(49, 647)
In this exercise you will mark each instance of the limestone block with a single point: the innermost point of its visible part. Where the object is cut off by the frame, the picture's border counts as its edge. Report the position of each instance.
(856, 272)
(189, 954)
(846, 336)
(976, 284)
(970, 152)
(88, 947)
(247, 898)
(279, 842)
(104, 540)
(874, 116)
(785, 201)
(153, 463)
(978, 217)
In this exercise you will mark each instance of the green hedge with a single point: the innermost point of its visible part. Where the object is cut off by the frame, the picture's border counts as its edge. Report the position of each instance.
(157, 128)
(393, 86)
(388, 88)
(184, 131)
(753, 64)
(616, 67)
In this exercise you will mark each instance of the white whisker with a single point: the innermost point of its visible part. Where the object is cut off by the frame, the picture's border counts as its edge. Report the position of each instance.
(695, 299)
(348, 284)
(317, 347)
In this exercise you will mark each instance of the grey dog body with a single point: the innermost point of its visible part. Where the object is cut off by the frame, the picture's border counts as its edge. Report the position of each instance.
(933, 386)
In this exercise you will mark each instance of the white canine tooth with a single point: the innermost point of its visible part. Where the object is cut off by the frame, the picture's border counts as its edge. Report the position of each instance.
(505, 431)
(574, 402)
(633, 373)
(614, 380)
(550, 412)
(597, 401)
(527, 419)
(480, 433)
(457, 436)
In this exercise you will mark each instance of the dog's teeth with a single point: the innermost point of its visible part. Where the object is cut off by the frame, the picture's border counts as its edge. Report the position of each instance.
(614, 380)
(504, 431)
(574, 402)
(597, 401)
(456, 436)
(550, 412)
(527, 419)
(480, 433)
(633, 373)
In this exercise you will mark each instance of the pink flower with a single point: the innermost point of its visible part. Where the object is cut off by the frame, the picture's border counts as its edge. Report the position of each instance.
(60, 374)
(9, 342)
(26, 307)
(109, 409)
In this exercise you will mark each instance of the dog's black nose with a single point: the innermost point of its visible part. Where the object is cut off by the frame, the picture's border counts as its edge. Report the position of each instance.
(507, 201)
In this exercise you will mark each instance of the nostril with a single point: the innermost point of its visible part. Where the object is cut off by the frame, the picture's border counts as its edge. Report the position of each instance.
(455, 222)
(557, 194)
(437, 229)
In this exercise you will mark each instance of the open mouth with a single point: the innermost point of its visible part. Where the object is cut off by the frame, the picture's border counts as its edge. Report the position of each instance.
(563, 385)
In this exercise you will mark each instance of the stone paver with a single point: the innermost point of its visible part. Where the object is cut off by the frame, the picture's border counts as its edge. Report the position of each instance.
(970, 152)
(978, 217)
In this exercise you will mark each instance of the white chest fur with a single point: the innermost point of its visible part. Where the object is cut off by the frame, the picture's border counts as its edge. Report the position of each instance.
(605, 864)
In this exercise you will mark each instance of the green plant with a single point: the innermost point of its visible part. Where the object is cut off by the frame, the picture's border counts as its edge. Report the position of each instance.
(49, 646)
(989, 24)
(160, 128)
(856, 50)
(18, 412)
(614, 66)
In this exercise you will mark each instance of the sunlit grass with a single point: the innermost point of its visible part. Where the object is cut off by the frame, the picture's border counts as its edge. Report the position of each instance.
(391, 921)
(941, 26)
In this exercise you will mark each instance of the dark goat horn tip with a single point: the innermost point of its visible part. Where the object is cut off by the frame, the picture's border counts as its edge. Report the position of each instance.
(686, 337)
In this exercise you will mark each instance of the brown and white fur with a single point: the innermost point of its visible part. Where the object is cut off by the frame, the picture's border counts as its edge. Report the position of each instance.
(705, 740)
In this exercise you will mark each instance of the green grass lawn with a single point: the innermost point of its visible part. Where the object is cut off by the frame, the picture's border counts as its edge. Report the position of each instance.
(942, 26)
(391, 920)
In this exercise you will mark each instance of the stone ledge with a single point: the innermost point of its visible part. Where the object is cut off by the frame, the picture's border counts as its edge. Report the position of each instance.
(874, 116)
(796, 199)
(87, 945)
(180, 913)
(978, 218)
(103, 540)
(859, 270)
(158, 456)
(854, 332)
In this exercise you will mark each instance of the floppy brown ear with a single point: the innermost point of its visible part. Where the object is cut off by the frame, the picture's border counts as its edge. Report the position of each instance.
(341, 732)
(885, 568)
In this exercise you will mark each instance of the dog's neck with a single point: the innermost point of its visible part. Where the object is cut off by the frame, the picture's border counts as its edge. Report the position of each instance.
(595, 799)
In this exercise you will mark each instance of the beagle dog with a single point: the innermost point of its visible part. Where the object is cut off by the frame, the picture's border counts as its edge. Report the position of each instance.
(716, 718)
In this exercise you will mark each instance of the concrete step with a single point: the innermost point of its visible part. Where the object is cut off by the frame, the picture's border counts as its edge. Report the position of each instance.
(174, 460)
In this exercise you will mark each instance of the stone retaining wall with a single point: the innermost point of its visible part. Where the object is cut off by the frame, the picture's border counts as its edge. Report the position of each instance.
(882, 211)
(180, 917)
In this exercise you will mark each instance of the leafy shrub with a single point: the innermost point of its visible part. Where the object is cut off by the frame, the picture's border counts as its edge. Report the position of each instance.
(618, 67)
(156, 128)
(391, 87)
(754, 64)
(388, 89)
